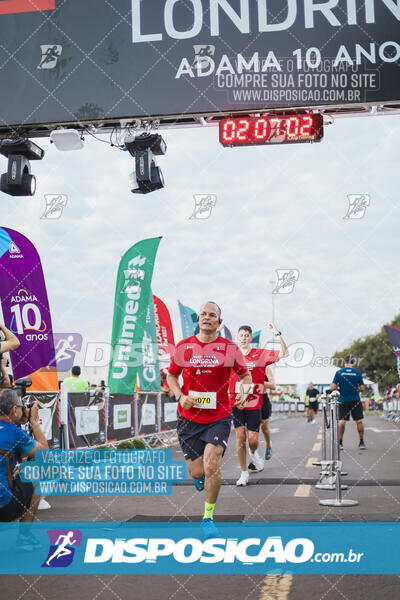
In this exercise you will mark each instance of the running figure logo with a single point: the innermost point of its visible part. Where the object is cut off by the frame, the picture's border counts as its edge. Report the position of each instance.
(62, 547)
(203, 205)
(202, 55)
(55, 204)
(358, 204)
(66, 346)
(286, 281)
(50, 55)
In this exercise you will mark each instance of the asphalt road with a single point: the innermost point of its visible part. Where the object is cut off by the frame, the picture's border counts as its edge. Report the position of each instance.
(284, 491)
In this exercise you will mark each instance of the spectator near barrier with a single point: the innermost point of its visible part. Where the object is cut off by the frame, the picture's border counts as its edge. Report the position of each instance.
(18, 500)
(75, 383)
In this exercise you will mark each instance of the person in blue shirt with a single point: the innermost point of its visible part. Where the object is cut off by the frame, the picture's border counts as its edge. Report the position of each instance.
(350, 383)
(18, 500)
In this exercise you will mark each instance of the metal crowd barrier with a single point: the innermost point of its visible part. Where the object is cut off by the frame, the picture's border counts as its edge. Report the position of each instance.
(331, 465)
(85, 421)
(391, 410)
(288, 407)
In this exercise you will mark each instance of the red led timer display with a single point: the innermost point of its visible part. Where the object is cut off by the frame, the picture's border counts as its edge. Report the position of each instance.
(271, 129)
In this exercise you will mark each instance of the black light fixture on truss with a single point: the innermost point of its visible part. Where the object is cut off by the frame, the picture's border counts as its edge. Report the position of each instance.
(147, 176)
(18, 181)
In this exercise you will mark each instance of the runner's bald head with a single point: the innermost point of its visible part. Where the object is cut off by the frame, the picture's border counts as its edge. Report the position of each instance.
(218, 310)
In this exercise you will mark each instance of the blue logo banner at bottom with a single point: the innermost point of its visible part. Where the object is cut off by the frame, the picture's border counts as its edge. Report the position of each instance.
(157, 548)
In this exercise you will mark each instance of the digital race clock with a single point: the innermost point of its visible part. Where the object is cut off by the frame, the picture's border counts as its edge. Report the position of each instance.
(271, 129)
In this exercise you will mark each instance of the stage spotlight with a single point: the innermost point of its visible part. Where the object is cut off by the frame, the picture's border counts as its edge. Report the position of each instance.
(18, 181)
(147, 176)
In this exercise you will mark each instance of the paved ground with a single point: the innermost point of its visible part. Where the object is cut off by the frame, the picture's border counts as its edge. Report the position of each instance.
(283, 491)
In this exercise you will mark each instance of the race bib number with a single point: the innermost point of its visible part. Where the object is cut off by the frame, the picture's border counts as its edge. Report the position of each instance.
(248, 388)
(204, 399)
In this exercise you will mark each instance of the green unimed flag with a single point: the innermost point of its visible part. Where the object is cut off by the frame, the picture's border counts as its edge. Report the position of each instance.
(149, 370)
(130, 309)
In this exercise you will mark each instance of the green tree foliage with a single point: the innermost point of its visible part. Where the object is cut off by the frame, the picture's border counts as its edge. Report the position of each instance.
(375, 357)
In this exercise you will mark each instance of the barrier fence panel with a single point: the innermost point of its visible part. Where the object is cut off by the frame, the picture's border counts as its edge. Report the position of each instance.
(86, 420)
(288, 407)
(168, 413)
(121, 417)
(48, 415)
(391, 409)
(146, 413)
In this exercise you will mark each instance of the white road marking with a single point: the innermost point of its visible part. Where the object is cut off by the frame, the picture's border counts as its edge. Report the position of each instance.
(381, 430)
(317, 447)
(303, 490)
(310, 462)
(276, 587)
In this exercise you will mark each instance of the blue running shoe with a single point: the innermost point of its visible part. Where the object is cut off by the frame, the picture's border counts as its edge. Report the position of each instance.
(209, 529)
(199, 483)
(27, 542)
(268, 453)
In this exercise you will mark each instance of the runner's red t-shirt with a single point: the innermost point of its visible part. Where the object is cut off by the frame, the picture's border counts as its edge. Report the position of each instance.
(206, 368)
(256, 362)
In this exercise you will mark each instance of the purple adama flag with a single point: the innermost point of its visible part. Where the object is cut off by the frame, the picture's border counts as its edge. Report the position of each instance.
(394, 336)
(26, 310)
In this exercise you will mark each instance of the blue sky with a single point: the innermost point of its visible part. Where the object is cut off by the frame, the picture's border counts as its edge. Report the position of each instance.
(277, 207)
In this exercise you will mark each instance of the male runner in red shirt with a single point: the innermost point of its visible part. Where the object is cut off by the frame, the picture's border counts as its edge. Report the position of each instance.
(257, 360)
(205, 361)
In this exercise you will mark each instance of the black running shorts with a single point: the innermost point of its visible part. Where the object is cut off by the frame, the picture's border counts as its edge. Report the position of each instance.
(247, 418)
(266, 408)
(354, 408)
(193, 436)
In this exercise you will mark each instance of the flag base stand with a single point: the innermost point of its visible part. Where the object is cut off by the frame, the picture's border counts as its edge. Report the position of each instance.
(329, 486)
(336, 502)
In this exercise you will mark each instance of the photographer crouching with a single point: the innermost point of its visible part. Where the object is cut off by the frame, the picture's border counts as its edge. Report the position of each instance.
(11, 342)
(18, 500)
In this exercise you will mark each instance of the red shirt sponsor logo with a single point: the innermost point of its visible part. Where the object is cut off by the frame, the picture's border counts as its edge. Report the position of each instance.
(8, 7)
(206, 368)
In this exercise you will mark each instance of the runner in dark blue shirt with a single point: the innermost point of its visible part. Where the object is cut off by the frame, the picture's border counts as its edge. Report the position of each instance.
(350, 382)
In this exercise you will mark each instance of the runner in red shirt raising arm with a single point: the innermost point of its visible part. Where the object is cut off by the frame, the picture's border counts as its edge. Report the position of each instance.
(257, 360)
(204, 422)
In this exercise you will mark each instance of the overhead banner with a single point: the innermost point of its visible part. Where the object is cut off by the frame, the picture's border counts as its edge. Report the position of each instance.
(185, 57)
(165, 333)
(132, 294)
(26, 311)
(188, 320)
(149, 370)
